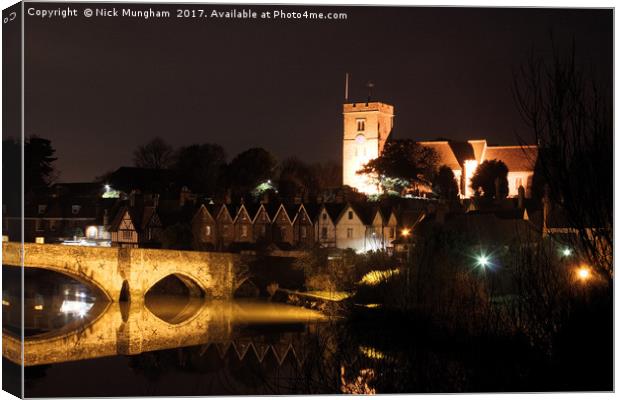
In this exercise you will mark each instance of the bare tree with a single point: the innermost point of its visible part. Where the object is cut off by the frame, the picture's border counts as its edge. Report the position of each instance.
(156, 154)
(572, 124)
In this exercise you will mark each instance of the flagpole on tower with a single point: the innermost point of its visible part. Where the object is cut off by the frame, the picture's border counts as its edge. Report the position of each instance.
(346, 87)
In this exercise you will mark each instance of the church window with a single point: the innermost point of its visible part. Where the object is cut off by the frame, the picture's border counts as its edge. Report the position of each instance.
(361, 125)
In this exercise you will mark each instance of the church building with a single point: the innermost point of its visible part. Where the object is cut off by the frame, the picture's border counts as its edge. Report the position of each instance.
(367, 126)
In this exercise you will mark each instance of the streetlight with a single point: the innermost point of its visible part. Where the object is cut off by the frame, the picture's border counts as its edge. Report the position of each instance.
(483, 261)
(405, 232)
(566, 252)
(583, 273)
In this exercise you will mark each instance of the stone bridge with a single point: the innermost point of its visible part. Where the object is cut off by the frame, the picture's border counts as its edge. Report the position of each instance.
(131, 328)
(131, 272)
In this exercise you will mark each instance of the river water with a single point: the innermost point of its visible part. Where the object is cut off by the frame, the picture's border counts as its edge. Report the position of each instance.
(77, 345)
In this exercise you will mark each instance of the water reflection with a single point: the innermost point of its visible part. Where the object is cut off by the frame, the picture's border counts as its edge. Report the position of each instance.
(134, 328)
(52, 302)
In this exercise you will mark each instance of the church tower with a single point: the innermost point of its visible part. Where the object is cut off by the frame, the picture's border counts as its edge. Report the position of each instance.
(366, 128)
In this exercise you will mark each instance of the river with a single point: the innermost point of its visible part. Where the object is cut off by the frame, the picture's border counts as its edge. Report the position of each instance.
(171, 344)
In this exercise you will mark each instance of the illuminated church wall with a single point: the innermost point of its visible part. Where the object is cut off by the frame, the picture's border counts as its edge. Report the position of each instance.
(366, 128)
(368, 125)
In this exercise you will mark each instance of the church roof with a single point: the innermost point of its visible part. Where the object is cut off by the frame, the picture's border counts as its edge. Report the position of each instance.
(516, 158)
(445, 154)
(478, 146)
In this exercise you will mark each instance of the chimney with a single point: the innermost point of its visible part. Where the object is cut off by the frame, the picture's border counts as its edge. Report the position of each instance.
(521, 191)
(184, 195)
(132, 198)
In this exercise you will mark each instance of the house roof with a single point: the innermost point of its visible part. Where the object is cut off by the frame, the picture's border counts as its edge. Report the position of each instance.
(258, 210)
(334, 210)
(140, 217)
(281, 208)
(312, 210)
(516, 158)
(366, 212)
(558, 218)
(489, 229)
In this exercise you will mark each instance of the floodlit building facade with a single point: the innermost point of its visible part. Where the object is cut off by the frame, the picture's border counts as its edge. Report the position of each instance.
(367, 126)
(366, 129)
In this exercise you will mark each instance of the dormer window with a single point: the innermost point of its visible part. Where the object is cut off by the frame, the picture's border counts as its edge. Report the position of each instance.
(361, 125)
(42, 208)
(350, 214)
(75, 209)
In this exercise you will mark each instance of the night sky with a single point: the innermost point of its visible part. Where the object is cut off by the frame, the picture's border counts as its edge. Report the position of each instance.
(99, 87)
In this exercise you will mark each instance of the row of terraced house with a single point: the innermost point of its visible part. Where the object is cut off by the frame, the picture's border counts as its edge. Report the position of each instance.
(222, 227)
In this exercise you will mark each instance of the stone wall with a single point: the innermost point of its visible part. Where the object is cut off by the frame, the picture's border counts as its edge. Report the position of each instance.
(139, 269)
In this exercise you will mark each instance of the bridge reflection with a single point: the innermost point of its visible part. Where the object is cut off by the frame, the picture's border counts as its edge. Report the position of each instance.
(132, 328)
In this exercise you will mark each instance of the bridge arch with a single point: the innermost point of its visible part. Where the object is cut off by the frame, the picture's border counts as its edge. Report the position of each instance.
(194, 284)
(80, 277)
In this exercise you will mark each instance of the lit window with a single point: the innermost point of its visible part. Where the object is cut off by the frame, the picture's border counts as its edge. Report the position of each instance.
(91, 232)
(208, 230)
(350, 214)
(361, 124)
(349, 233)
(75, 209)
